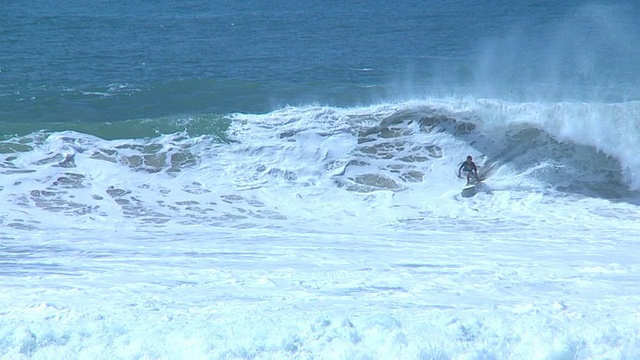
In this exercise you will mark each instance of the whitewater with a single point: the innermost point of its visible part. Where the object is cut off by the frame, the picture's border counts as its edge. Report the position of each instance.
(319, 232)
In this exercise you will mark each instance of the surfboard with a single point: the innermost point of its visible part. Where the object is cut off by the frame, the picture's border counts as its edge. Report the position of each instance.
(468, 190)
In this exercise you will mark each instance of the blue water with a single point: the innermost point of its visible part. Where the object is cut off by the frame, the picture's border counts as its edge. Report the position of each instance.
(277, 180)
(114, 61)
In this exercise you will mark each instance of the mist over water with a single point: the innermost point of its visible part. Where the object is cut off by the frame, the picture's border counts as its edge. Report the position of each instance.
(583, 52)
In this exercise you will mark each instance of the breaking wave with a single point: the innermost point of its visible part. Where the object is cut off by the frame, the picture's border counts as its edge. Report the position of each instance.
(247, 170)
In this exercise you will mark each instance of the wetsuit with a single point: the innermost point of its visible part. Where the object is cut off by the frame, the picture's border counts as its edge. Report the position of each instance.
(469, 169)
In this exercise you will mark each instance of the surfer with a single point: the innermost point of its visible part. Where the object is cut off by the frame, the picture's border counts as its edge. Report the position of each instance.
(469, 168)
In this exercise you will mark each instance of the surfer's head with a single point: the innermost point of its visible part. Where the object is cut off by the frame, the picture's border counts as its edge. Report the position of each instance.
(469, 158)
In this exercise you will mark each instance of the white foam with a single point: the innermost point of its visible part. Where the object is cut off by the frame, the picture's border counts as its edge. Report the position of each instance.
(281, 295)
(285, 245)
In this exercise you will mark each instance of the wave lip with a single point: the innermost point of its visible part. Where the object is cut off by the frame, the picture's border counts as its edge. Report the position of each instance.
(588, 136)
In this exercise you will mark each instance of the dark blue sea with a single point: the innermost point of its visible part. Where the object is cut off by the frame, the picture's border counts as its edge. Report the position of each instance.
(113, 61)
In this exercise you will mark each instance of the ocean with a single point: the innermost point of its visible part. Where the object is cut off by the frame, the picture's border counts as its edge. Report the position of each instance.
(278, 180)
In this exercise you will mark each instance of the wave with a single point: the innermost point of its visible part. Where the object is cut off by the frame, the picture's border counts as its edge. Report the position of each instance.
(567, 146)
(585, 148)
(314, 162)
